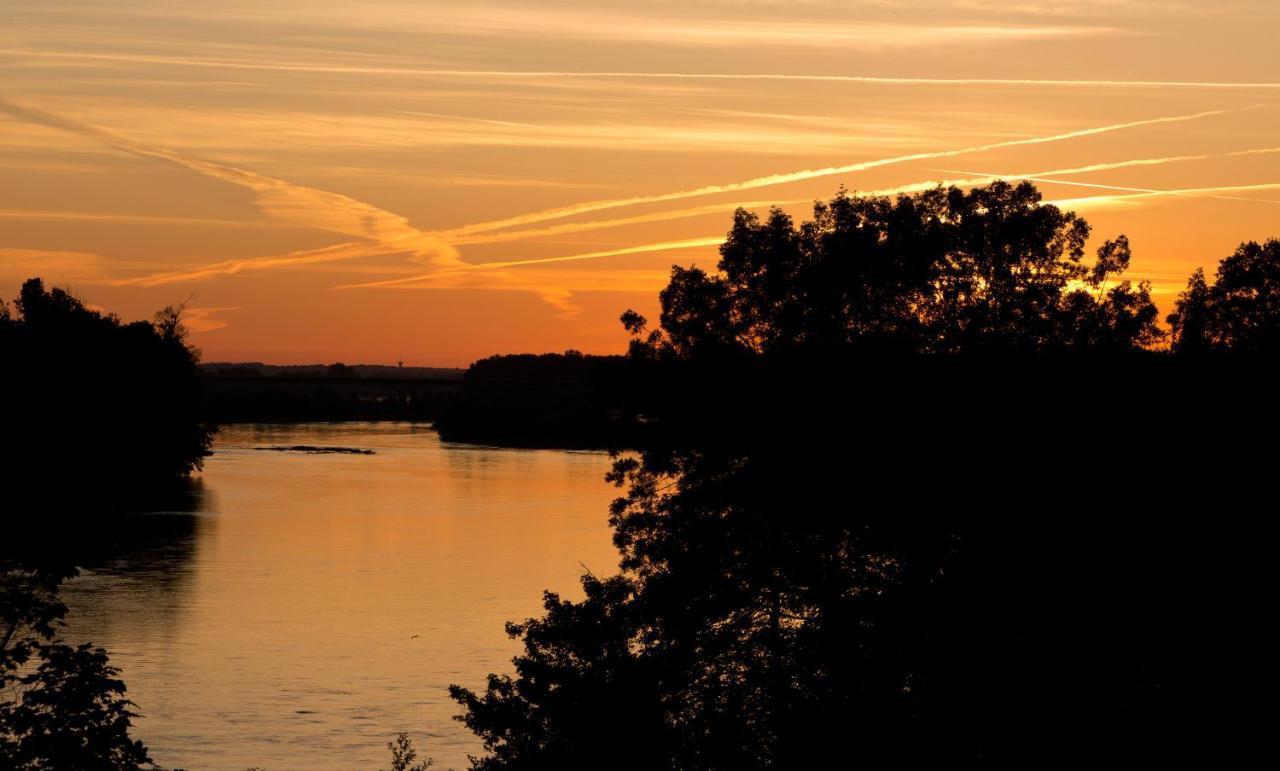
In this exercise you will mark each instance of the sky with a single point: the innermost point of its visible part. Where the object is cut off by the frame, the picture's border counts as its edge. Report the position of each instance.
(433, 182)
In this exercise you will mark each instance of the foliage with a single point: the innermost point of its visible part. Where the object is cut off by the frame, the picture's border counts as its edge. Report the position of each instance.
(1239, 312)
(76, 378)
(63, 707)
(403, 755)
(971, 553)
(991, 270)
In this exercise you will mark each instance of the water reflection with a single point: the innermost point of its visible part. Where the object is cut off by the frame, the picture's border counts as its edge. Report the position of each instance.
(302, 608)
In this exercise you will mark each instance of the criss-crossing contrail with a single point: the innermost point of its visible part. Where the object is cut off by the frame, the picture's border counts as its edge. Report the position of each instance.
(1044, 177)
(381, 232)
(505, 236)
(799, 176)
(338, 69)
(1135, 193)
(392, 233)
(664, 246)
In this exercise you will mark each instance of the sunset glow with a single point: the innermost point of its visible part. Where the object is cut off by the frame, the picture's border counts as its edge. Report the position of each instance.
(433, 182)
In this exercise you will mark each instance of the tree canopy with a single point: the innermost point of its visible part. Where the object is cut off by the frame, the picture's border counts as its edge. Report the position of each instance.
(947, 271)
(1239, 312)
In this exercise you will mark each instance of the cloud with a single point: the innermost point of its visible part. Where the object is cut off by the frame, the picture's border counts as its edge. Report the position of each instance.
(371, 231)
(200, 320)
(51, 265)
(278, 199)
(128, 219)
(385, 233)
(325, 254)
(684, 27)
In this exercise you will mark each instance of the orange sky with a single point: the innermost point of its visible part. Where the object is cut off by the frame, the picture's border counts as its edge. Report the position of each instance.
(360, 181)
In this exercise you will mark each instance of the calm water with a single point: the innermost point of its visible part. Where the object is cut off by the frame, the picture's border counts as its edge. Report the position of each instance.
(308, 607)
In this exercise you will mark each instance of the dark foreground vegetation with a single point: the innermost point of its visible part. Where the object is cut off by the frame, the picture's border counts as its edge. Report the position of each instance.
(921, 484)
(914, 482)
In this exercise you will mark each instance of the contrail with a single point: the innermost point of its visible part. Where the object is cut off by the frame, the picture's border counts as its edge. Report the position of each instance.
(563, 74)
(384, 232)
(639, 219)
(1111, 166)
(1200, 192)
(1193, 192)
(913, 187)
(393, 233)
(132, 219)
(663, 246)
(1138, 192)
(797, 176)
(335, 253)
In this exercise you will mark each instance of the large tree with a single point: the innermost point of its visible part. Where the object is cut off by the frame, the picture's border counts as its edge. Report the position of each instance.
(878, 562)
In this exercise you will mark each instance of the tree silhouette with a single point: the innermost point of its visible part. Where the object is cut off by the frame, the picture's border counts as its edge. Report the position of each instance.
(62, 707)
(78, 381)
(886, 513)
(990, 270)
(1239, 312)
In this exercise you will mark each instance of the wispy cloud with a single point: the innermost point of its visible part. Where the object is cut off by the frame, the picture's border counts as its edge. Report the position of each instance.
(370, 231)
(323, 255)
(129, 219)
(401, 237)
(200, 320)
(52, 265)
(281, 200)
(633, 25)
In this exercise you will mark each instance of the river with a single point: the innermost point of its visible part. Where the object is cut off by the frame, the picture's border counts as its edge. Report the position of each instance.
(301, 609)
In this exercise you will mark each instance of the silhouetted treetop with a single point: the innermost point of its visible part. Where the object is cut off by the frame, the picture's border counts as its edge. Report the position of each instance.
(1239, 312)
(945, 271)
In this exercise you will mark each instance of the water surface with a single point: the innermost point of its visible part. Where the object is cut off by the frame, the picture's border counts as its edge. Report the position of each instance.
(304, 608)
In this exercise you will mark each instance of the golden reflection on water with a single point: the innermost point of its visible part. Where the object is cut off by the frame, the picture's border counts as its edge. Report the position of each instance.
(311, 606)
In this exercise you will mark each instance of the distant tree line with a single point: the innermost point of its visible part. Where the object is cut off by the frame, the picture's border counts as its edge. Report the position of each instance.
(566, 400)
